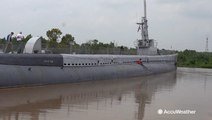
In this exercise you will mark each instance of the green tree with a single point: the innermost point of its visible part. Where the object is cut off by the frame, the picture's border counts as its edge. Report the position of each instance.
(65, 42)
(44, 42)
(2, 43)
(27, 38)
(2, 40)
(191, 58)
(94, 46)
(53, 34)
(91, 46)
(53, 37)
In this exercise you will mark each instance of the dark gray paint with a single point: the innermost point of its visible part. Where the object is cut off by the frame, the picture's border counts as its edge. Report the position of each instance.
(31, 59)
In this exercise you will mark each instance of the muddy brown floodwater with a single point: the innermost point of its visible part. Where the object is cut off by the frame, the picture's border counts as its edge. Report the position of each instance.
(182, 95)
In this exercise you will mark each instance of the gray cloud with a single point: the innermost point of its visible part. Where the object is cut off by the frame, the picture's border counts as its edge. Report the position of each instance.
(172, 1)
(182, 24)
(198, 10)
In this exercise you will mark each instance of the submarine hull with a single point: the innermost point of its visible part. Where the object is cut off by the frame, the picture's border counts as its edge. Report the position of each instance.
(25, 71)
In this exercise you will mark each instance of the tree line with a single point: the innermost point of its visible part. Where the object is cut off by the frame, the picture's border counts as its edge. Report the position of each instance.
(191, 58)
(55, 43)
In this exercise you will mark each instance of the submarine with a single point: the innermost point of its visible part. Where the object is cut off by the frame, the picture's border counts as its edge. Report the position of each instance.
(36, 68)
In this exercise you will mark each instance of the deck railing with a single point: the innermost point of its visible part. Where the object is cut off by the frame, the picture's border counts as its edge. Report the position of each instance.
(73, 50)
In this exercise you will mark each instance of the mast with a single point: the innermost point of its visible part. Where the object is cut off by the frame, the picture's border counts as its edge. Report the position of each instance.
(145, 21)
(145, 15)
(143, 25)
(145, 45)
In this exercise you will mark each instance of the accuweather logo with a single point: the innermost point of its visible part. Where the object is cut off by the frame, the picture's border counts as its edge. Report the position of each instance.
(176, 112)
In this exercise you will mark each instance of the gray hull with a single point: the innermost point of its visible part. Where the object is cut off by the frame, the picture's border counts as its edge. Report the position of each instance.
(21, 74)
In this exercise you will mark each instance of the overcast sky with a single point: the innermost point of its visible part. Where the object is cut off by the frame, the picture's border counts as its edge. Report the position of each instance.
(176, 24)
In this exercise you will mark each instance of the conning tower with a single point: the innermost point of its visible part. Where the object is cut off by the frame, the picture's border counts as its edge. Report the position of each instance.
(145, 46)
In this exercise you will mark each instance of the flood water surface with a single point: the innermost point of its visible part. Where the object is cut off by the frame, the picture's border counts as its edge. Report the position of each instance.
(182, 95)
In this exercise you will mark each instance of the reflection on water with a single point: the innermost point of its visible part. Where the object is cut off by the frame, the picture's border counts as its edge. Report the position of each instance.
(126, 99)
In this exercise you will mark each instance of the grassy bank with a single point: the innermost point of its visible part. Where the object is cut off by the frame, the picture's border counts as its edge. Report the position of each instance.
(191, 58)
